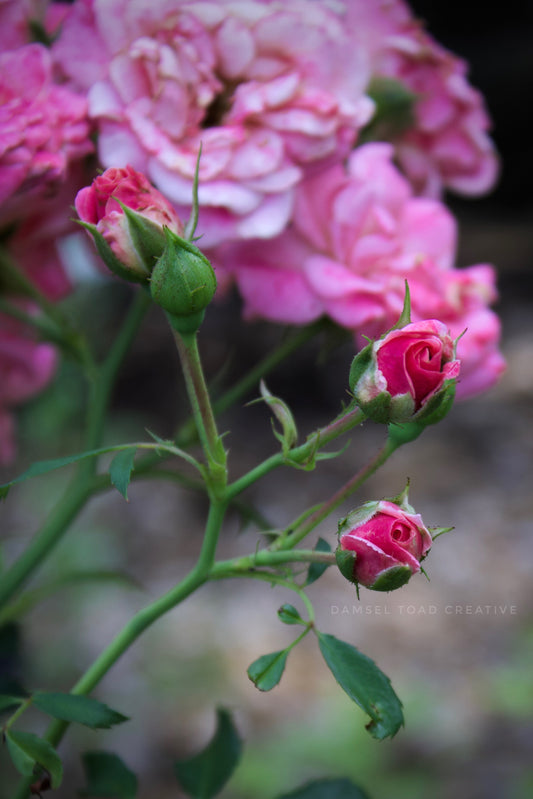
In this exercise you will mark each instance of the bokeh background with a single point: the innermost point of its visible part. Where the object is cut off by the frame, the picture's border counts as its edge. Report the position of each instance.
(459, 648)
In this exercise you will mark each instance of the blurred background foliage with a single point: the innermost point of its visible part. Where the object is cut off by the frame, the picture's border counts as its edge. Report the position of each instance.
(464, 677)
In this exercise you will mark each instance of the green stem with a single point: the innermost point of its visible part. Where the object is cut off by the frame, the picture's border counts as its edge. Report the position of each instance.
(139, 623)
(80, 487)
(290, 541)
(204, 418)
(302, 454)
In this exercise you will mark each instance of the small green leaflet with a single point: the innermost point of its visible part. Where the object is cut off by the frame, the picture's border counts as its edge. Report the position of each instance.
(80, 709)
(204, 775)
(266, 671)
(9, 702)
(107, 776)
(43, 467)
(27, 749)
(120, 470)
(289, 615)
(327, 789)
(316, 570)
(365, 683)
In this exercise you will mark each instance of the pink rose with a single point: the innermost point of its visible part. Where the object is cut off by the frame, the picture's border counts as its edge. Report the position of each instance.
(381, 545)
(43, 127)
(357, 234)
(447, 145)
(268, 89)
(407, 375)
(117, 234)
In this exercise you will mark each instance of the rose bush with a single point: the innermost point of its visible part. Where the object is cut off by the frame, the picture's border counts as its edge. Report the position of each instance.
(101, 209)
(381, 545)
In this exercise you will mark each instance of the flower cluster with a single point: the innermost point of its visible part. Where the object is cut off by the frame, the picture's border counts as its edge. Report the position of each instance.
(329, 132)
(357, 234)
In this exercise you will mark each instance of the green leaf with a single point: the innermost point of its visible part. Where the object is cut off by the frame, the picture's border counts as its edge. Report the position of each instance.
(107, 776)
(80, 709)
(316, 570)
(120, 470)
(9, 702)
(27, 749)
(266, 671)
(204, 775)
(365, 684)
(43, 467)
(327, 789)
(289, 615)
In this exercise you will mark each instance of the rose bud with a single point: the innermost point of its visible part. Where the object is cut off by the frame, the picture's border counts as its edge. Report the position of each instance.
(183, 282)
(127, 217)
(408, 375)
(381, 545)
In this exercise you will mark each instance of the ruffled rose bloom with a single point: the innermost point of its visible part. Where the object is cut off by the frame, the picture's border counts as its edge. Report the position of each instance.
(43, 127)
(448, 145)
(357, 235)
(26, 367)
(386, 544)
(408, 374)
(267, 89)
(99, 207)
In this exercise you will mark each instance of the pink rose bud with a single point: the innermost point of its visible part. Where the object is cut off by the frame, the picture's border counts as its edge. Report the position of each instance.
(381, 544)
(407, 375)
(127, 218)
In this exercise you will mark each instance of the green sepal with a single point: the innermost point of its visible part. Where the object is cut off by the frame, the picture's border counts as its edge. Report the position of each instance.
(379, 408)
(360, 364)
(438, 406)
(392, 578)
(110, 259)
(345, 559)
(183, 281)
(148, 237)
(405, 316)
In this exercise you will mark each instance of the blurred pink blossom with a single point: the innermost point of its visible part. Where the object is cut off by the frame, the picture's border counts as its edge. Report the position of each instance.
(267, 89)
(26, 367)
(43, 127)
(448, 146)
(357, 235)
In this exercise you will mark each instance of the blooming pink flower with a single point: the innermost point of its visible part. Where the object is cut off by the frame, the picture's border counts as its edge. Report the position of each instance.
(406, 374)
(448, 145)
(43, 127)
(26, 367)
(99, 206)
(388, 543)
(267, 89)
(357, 235)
